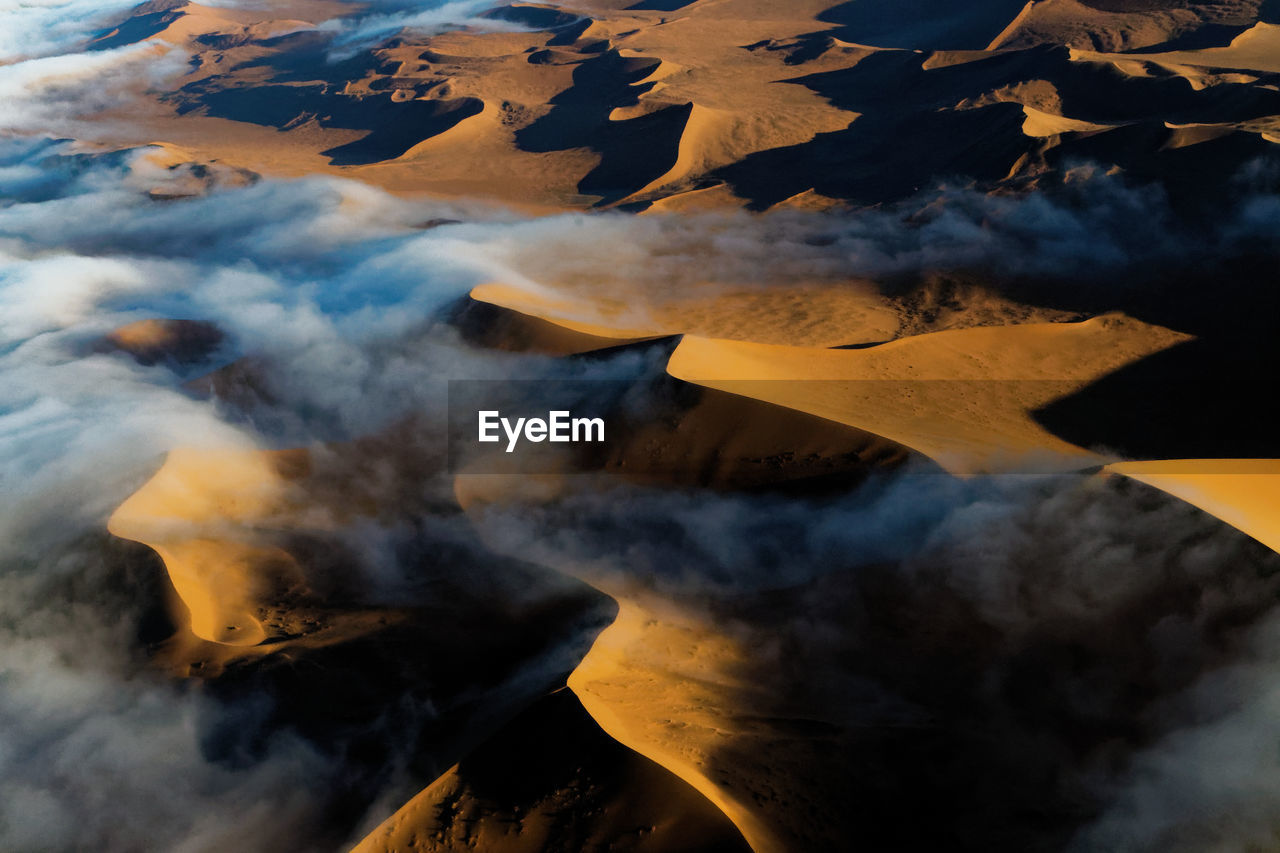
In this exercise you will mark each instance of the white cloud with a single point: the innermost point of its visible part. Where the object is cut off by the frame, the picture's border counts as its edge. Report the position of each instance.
(34, 28)
(359, 31)
(54, 95)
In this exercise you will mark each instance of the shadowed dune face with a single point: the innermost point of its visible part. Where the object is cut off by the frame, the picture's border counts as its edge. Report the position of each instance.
(552, 780)
(921, 24)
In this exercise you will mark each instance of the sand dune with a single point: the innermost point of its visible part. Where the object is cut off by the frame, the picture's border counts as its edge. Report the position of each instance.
(1041, 123)
(247, 535)
(1255, 49)
(714, 104)
(964, 398)
(797, 314)
(1244, 493)
(659, 686)
(492, 326)
(165, 340)
(1114, 25)
(821, 316)
(668, 684)
(681, 683)
(552, 780)
(199, 512)
(270, 602)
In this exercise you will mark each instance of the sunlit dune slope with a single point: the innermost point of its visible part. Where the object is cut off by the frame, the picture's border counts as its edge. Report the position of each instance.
(964, 397)
(203, 512)
(661, 685)
(822, 314)
(1244, 493)
(492, 326)
(738, 695)
(249, 536)
(552, 780)
(825, 315)
(665, 682)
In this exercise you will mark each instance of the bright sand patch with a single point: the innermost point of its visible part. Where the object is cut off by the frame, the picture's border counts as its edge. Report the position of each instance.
(201, 513)
(661, 687)
(815, 315)
(806, 314)
(155, 339)
(1244, 493)
(963, 397)
(1043, 124)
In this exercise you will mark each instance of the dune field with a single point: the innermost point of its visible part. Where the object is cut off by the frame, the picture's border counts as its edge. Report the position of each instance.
(935, 503)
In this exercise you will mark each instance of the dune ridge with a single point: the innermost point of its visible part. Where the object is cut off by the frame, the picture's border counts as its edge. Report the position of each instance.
(1244, 493)
(199, 512)
(964, 398)
(553, 780)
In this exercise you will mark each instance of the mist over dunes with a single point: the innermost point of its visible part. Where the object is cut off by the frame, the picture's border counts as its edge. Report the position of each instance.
(934, 341)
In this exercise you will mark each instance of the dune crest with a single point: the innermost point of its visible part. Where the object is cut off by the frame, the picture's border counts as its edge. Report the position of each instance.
(963, 397)
(552, 780)
(1244, 493)
(817, 314)
(658, 686)
(199, 513)
(1115, 25)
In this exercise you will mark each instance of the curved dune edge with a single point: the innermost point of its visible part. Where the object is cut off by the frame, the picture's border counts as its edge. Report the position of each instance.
(1244, 493)
(1040, 124)
(551, 778)
(669, 684)
(664, 684)
(490, 326)
(228, 524)
(198, 513)
(569, 313)
(656, 687)
(656, 683)
(814, 314)
(1255, 49)
(963, 397)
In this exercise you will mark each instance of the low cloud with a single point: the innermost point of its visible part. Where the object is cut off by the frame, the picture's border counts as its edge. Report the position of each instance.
(1090, 663)
(56, 94)
(35, 28)
(381, 20)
